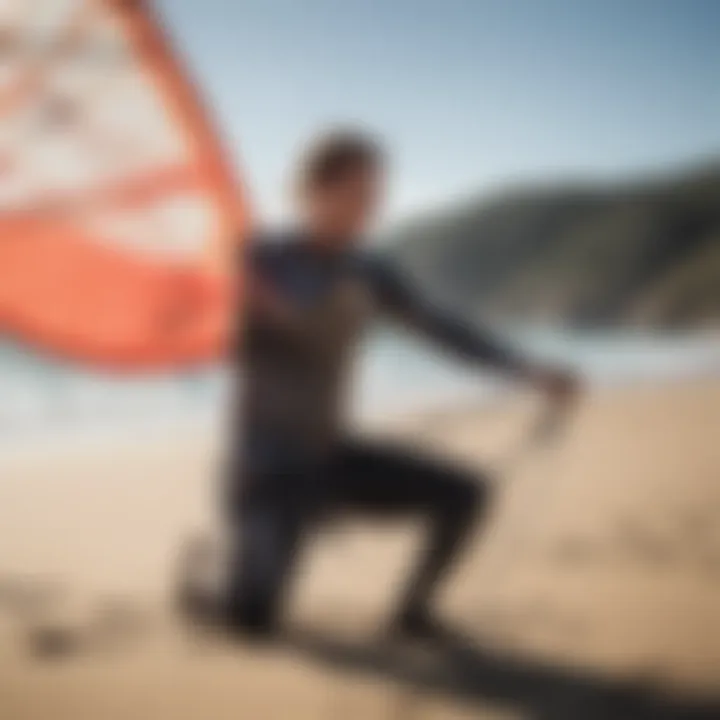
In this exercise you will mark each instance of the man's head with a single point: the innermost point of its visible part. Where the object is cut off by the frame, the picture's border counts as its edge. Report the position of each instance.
(340, 184)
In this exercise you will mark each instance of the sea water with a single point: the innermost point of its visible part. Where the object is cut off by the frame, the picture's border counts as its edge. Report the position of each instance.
(48, 400)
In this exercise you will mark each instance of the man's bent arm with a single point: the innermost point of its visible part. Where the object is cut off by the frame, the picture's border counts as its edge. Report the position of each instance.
(263, 305)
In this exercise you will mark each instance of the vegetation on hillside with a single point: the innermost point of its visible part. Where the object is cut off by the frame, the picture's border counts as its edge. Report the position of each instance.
(645, 254)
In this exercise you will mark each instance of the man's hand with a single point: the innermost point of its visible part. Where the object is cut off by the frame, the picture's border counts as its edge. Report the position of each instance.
(560, 385)
(562, 388)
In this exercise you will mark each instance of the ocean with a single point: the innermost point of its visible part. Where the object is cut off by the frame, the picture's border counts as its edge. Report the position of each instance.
(43, 399)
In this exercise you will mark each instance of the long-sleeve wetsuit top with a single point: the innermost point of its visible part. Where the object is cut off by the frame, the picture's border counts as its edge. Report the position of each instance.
(295, 365)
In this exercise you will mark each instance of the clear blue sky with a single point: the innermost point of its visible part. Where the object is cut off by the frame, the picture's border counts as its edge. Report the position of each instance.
(467, 93)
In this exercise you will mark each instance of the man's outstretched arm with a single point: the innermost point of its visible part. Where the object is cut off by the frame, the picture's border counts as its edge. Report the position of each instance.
(400, 299)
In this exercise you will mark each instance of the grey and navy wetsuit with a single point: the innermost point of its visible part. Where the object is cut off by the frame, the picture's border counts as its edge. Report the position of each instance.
(293, 458)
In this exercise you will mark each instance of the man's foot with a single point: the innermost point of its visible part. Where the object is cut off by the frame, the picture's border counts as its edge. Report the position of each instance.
(423, 626)
(209, 612)
(203, 605)
(196, 604)
(251, 617)
(242, 621)
(194, 601)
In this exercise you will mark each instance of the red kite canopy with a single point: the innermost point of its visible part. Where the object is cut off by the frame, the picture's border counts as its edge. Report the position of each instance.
(118, 211)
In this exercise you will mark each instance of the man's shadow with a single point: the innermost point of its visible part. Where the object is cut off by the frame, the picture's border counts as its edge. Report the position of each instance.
(460, 668)
(464, 670)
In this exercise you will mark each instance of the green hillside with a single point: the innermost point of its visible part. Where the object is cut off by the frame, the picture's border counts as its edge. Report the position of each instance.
(643, 254)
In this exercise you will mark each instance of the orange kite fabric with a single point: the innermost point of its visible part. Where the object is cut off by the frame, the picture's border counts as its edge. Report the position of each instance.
(119, 213)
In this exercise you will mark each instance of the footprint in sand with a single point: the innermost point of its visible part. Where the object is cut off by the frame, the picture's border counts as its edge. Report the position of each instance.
(576, 552)
(110, 626)
(27, 597)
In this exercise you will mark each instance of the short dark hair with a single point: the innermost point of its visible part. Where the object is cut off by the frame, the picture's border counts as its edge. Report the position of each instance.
(334, 154)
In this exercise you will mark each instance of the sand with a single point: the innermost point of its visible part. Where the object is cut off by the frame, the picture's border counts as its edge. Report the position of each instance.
(600, 567)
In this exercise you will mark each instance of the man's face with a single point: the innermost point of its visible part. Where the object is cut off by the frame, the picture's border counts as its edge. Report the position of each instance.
(347, 208)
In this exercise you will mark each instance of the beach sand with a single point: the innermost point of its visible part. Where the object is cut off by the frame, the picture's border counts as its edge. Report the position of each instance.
(599, 569)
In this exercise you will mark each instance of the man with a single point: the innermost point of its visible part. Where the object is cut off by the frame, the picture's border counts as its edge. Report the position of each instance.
(310, 293)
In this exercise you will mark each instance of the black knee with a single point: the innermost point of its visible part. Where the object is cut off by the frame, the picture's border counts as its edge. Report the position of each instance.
(467, 499)
(254, 616)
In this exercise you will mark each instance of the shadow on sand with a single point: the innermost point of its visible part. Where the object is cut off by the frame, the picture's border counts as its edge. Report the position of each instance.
(459, 668)
(474, 674)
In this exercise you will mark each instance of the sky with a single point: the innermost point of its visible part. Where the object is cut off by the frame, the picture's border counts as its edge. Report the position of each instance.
(468, 95)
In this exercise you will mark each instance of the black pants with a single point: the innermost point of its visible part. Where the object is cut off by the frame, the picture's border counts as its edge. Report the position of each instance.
(275, 510)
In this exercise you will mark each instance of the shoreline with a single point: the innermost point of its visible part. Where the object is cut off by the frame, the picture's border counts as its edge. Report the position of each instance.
(106, 435)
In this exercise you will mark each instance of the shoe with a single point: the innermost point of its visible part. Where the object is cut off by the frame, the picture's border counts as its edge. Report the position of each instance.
(251, 618)
(197, 605)
(200, 604)
(421, 625)
(238, 621)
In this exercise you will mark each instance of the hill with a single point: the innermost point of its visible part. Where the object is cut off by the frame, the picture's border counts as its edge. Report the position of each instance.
(645, 253)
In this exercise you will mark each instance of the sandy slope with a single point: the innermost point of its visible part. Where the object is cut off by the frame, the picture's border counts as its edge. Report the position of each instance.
(603, 553)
